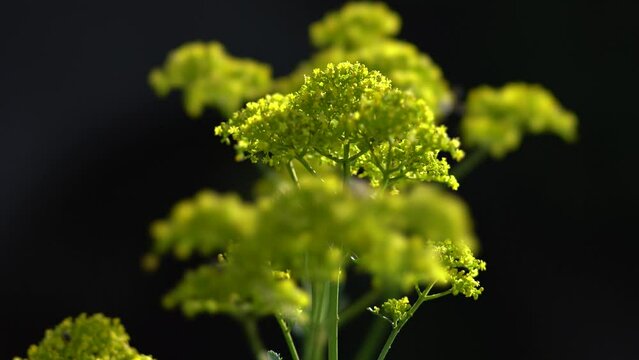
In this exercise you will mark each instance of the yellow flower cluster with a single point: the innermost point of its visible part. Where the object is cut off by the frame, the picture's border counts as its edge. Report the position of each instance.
(363, 32)
(393, 310)
(354, 25)
(209, 76)
(352, 117)
(93, 337)
(496, 119)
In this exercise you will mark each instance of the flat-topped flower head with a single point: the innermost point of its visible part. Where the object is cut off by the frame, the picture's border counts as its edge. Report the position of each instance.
(351, 117)
(408, 69)
(497, 118)
(209, 76)
(204, 225)
(245, 289)
(94, 337)
(355, 24)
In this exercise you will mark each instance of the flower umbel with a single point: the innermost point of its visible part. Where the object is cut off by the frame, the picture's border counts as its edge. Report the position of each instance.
(351, 117)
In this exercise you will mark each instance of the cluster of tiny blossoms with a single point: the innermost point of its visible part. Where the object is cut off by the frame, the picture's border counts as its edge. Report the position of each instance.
(93, 337)
(497, 118)
(208, 76)
(363, 32)
(312, 234)
(354, 25)
(347, 115)
(393, 310)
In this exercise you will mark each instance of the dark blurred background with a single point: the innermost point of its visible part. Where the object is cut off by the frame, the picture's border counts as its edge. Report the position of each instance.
(89, 156)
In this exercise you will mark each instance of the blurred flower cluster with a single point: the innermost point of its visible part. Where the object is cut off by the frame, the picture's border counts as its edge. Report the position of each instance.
(85, 338)
(270, 248)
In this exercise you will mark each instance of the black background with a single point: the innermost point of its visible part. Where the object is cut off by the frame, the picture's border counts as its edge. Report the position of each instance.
(88, 157)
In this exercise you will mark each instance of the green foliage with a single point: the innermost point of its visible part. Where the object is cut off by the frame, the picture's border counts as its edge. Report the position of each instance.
(356, 24)
(93, 337)
(393, 310)
(497, 118)
(348, 115)
(208, 76)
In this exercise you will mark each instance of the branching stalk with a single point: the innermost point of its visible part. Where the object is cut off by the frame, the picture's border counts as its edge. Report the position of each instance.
(314, 341)
(291, 172)
(333, 319)
(306, 165)
(422, 297)
(286, 331)
(328, 156)
(346, 164)
(356, 156)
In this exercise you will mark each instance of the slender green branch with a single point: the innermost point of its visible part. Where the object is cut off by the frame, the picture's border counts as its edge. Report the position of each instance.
(328, 156)
(346, 164)
(358, 307)
(310, 339)
(291, 172)
(438, 295)
(388, 343)
(354, 157)
(314, 340)
(389, 156)
(252, 334)
(333, 319)
(306, 165)
(385, 182)
(374, 337)
(376, 161)
(286, 331)
(470, 163)
(391, 337)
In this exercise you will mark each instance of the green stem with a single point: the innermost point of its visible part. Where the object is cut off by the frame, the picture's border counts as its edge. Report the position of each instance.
(327, 155)
(438, 295)
(391, 337)
(286, 331)
(309, 342)
(376, 161)
(346, 164)
(314, 338)
(375, 335)
(291, 172)
(385, 182)
(471, 162)
(354, 157)
(333, 319)
(388, 343)
(250, 328)
(306, 165)
(358, 307)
